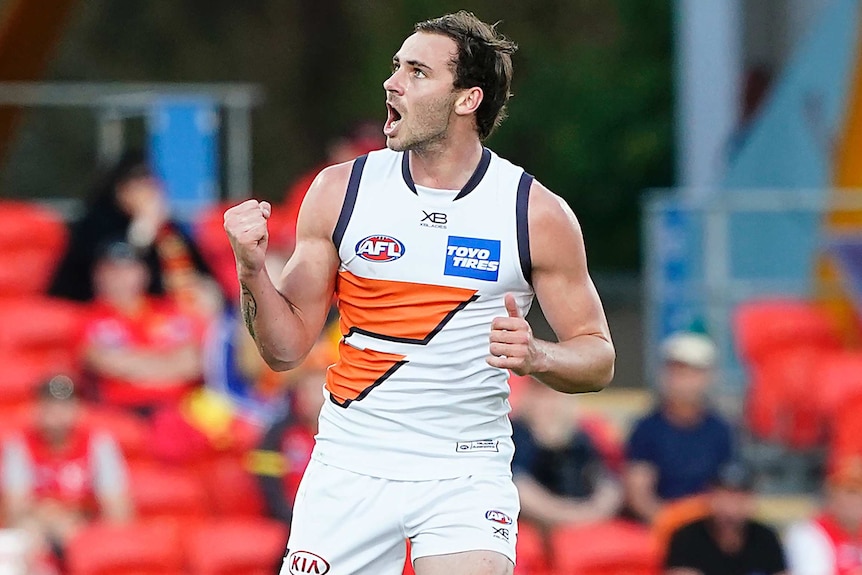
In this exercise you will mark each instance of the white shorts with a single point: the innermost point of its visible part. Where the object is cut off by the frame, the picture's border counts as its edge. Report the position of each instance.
(345, 523)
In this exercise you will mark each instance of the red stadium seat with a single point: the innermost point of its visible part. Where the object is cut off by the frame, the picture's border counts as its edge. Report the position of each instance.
(41, 325)
(130, 431)
(765, 326)
(244, 546)
(21, 373)
(781, 406)
(846, 437)
(164, 492)
(134, 549)
(32, 239)
(232, 490)
(617, 547)
(532, 557)
(839, 376)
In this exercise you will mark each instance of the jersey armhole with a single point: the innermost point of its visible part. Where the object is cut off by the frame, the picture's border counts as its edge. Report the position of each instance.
(349, 200)
(522, 225)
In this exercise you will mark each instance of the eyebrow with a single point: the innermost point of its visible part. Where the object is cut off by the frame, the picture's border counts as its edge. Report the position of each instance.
(414, 63)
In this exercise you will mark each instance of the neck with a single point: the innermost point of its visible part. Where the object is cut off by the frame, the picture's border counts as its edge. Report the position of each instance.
(447, 167)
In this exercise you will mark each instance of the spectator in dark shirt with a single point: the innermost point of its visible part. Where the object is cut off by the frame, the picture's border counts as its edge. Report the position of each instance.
(560, 475)
(674, 451)
(728, 541)
(128, 205)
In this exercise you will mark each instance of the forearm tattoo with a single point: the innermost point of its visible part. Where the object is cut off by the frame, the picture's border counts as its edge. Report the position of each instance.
(249, 310)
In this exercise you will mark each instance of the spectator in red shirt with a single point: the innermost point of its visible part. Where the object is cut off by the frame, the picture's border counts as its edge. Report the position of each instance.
(143, 352)
(57, 474)
(286, 447)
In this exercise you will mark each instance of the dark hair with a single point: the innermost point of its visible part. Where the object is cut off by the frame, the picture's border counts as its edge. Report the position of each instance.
(484, 60)
(132, 164)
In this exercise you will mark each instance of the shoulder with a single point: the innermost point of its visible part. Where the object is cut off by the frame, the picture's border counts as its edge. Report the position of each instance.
(322, 204)
(762, 532)
(549, 212)
(691, 531)
(649, 422)
(555, 234)
(717, 421)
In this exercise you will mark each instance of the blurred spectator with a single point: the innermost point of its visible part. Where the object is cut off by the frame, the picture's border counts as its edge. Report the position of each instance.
(129, 205)
(727, 541)
(831, 543)
(560, 474)
(142, 352)
(677, 449)
(58, 474)
(286, 448)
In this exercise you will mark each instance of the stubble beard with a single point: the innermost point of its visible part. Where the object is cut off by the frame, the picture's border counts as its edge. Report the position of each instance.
(431, 134)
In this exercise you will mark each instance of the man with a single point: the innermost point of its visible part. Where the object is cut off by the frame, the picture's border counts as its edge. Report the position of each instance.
(434, 248)
(560, 474)
(831, 543)
(58, 474)
(728, 541)
(144, 352)
(675, 451)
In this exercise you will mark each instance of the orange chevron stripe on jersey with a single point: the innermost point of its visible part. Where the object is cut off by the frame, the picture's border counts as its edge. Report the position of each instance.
(358, 371)
(400, 311)
(386, 310)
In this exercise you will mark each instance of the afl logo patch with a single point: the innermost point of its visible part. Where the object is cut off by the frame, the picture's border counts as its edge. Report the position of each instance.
(379, 249)
(498, 517)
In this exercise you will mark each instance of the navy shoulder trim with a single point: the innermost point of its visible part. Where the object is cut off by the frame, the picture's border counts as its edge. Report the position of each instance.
(349, 200)
(522, 224)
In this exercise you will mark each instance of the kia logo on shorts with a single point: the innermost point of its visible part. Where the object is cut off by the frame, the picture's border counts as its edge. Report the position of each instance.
(498, 517)
(307, 563)
(379, 249)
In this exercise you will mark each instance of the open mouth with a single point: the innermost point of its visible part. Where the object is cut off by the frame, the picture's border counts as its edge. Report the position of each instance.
(393, 120)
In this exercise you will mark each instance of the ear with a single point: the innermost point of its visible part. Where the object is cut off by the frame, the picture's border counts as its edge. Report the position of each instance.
(468, 101)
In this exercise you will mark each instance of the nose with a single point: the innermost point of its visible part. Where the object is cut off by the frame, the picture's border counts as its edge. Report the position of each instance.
(393, 83)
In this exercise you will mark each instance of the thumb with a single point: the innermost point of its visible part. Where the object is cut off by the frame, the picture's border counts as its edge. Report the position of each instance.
(512, 306)
(266, 209)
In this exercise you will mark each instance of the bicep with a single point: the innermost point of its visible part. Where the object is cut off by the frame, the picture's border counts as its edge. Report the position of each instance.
(562, 283)
(308, 279)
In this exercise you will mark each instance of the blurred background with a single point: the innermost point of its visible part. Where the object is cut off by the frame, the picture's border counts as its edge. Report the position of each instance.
(710, 148)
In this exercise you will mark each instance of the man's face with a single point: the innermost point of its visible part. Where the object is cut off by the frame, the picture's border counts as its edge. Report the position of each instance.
(57, 418)
(420, 93)
(120, 280)
(846, 504)
(685, 383)
(730, 507)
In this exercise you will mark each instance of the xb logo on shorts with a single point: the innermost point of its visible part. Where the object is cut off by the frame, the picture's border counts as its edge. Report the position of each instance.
(379, 248)
(498, 517)
(307, 563)
(473, 258)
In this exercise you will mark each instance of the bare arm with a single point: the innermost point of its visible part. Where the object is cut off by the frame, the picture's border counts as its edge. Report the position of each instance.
(145, 367)
(639, 479)
(583, 359)
(285, 321)
(540, 505)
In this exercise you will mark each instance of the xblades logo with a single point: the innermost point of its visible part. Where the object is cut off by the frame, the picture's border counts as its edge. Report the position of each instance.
(433, 219)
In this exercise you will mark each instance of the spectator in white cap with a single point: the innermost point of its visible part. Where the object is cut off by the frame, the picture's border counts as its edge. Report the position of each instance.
(677, 449)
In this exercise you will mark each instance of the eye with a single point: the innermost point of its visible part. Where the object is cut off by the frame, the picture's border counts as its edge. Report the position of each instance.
(395, 67)
(419, 73)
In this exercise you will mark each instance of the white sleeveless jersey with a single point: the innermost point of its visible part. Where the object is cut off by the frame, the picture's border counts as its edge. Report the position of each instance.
(423, 274)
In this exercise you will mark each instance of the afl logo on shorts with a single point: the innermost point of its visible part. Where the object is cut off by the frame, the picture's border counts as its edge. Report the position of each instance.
(498, 517)
(307, 563)
(379, 249)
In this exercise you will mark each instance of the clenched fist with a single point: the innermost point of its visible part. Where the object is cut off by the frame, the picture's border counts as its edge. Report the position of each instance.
(245, 225)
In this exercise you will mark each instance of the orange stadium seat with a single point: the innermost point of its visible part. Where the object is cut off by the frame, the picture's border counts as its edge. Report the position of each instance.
(159, 491)
(765, 326)
(674, 515)
(32, 239)
(144, 548)
(617, 547)
(232, 490)
(781, 407)
(247, 546)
